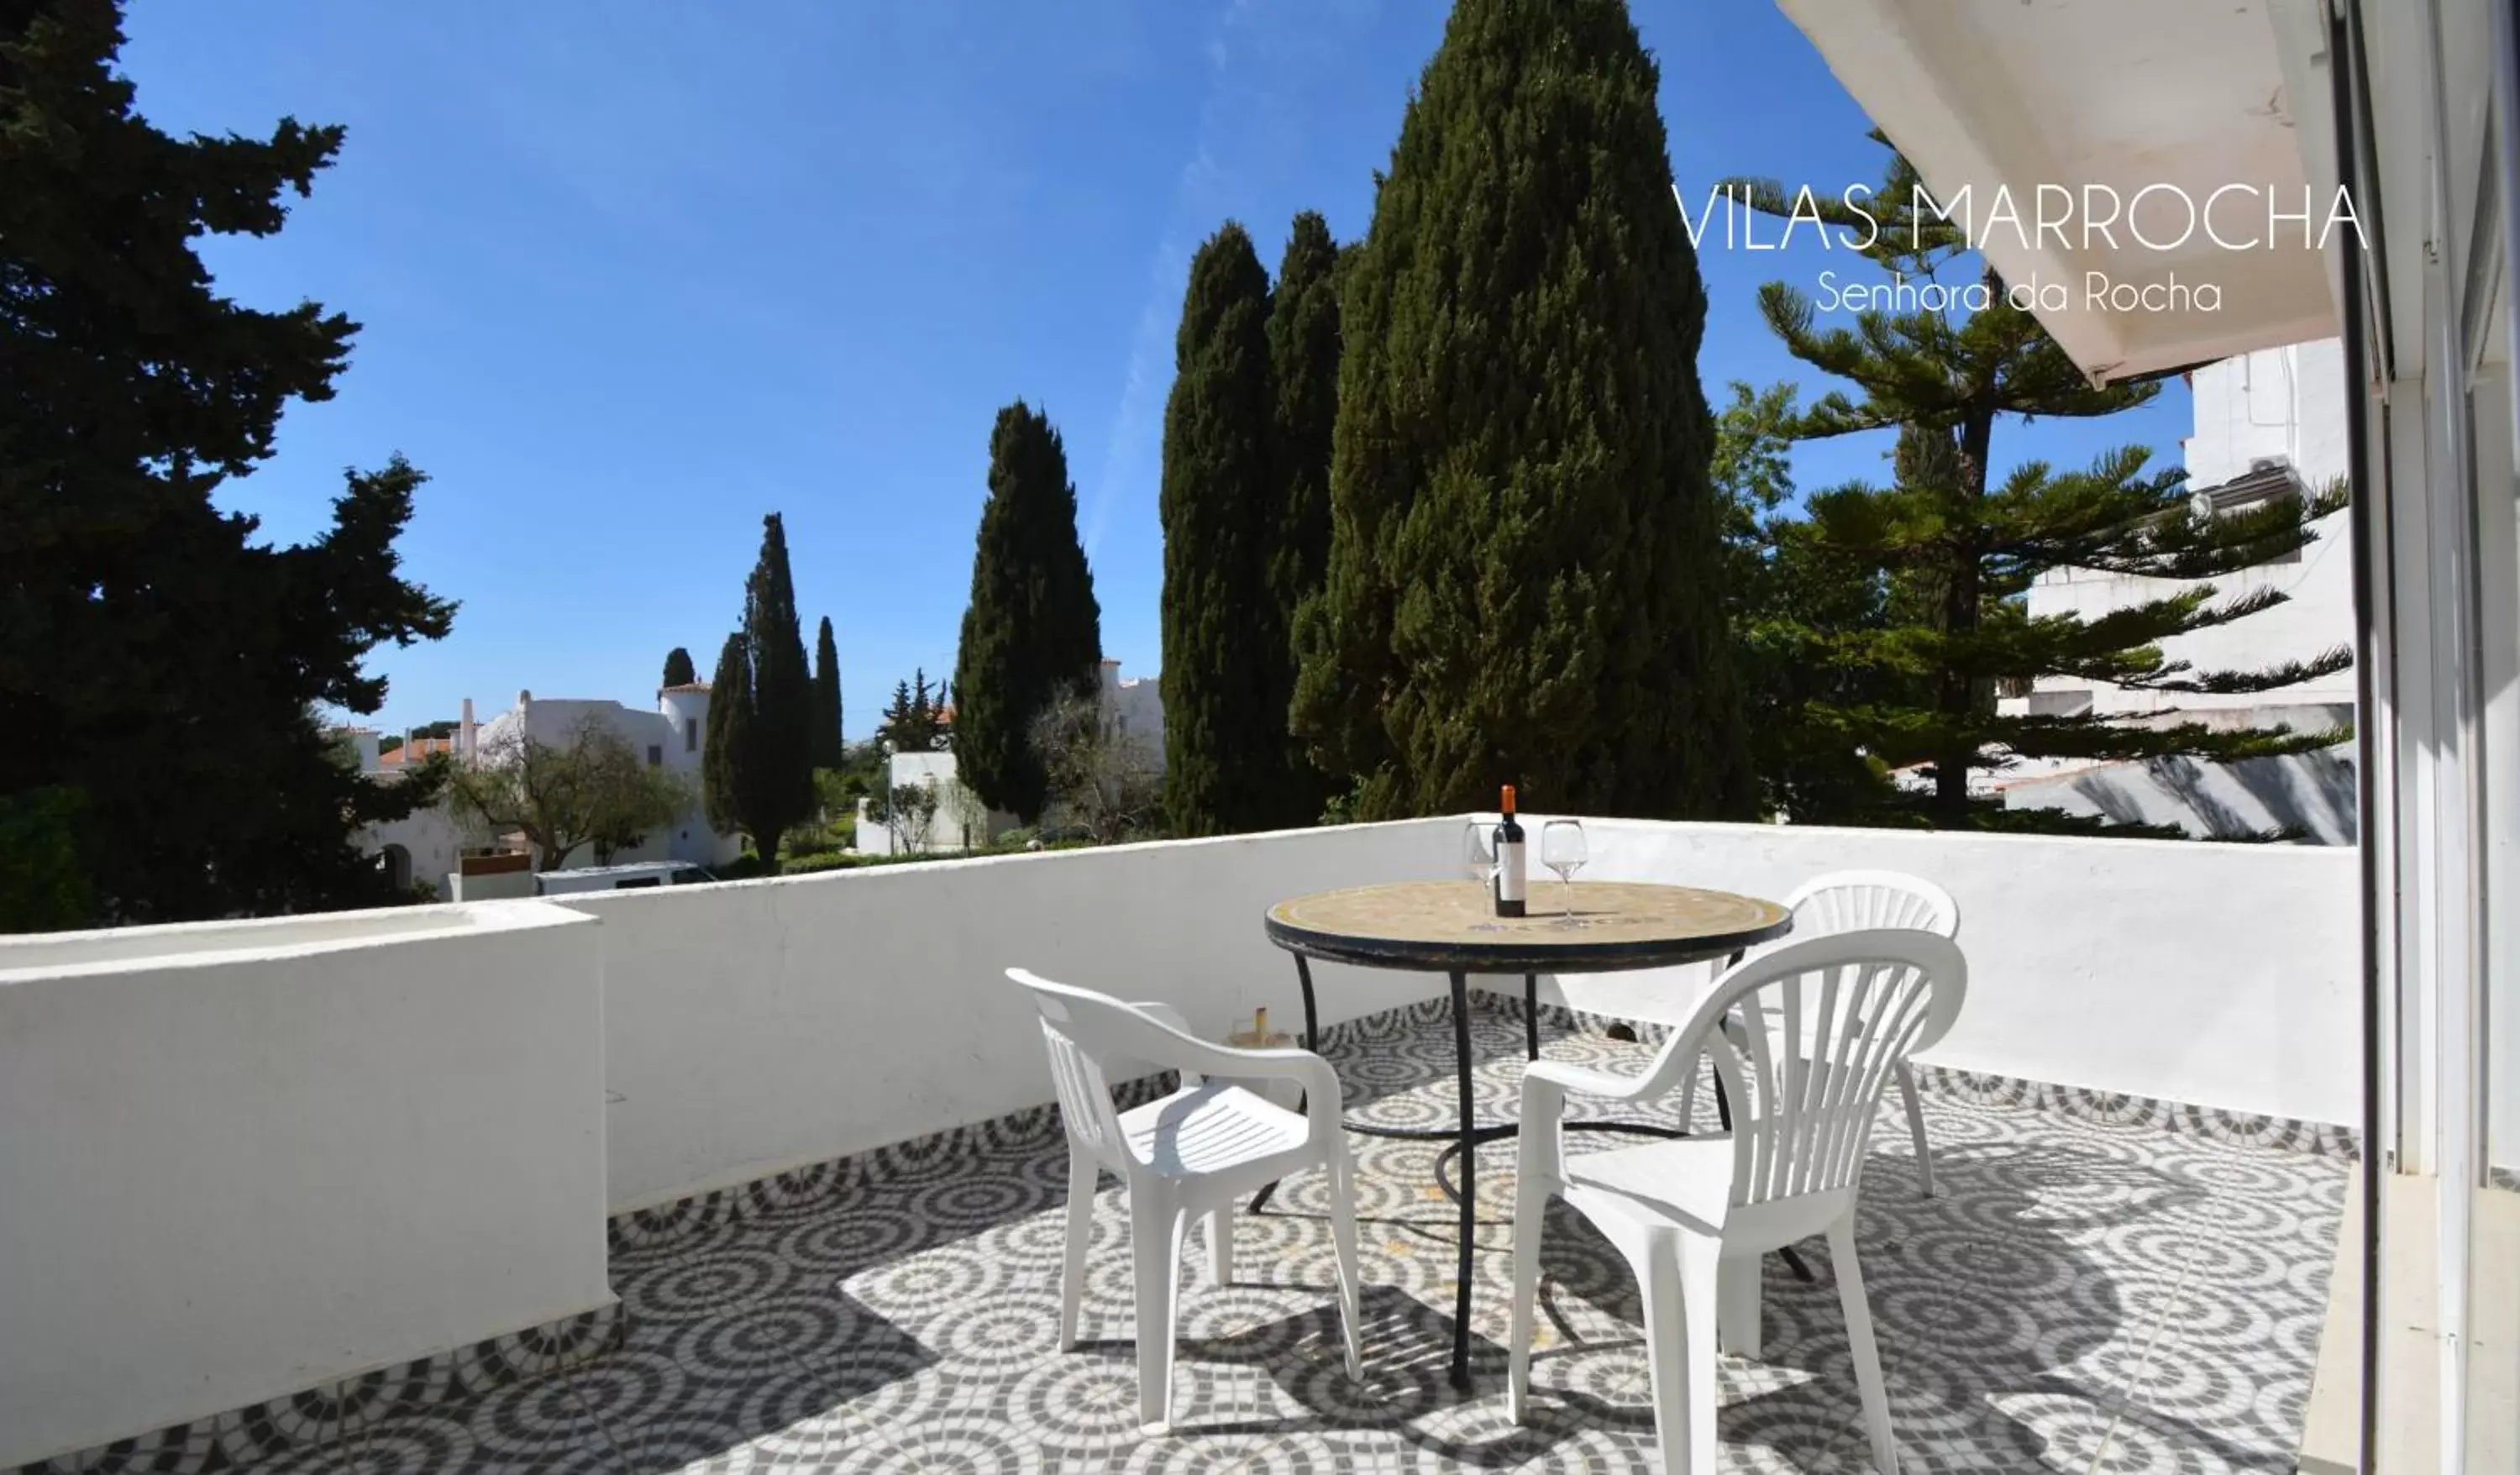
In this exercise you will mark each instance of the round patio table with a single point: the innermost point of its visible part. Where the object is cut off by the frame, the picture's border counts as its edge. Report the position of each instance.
(1449, 927)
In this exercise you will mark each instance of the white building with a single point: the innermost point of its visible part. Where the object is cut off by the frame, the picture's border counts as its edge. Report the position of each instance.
(1137, 707)
(960, 820)
(428, 845)
(2267, 423)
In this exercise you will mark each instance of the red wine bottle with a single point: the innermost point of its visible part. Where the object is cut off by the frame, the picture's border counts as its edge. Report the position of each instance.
(1510, 888)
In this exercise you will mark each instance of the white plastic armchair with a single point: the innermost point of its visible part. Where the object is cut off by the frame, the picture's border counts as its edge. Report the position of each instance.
(1847, 901)
(1189, 1155)
(1862, 1002)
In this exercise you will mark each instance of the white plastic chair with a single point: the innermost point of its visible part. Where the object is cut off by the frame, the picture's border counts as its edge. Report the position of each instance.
(1790, 1168)
(1847, 901)
(1187, 1156)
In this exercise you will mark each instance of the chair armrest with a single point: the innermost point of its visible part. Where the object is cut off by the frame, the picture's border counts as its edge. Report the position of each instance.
(1164, 1011)
(1178, 1049)
(1584, 1081)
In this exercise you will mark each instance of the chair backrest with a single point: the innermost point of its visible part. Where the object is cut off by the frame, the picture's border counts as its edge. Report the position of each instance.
(1860, 1002)
(1088, 1035)
(1851, 901)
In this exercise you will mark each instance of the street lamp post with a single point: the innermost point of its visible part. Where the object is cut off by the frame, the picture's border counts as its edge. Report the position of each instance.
(891, 810)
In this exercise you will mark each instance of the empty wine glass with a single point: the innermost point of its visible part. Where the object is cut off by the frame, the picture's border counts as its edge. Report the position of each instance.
(1563, 850)
(1479, 860)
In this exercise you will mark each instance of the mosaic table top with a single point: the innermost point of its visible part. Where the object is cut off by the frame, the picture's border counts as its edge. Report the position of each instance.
(1447, 925)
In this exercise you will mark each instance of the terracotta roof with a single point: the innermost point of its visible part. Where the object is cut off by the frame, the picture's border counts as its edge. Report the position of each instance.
(688, 686)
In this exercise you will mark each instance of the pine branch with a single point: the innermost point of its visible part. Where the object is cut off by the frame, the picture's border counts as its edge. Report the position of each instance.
(2270, 678)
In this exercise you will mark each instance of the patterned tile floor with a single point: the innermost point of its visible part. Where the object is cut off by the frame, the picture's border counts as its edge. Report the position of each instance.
(2079, 1297)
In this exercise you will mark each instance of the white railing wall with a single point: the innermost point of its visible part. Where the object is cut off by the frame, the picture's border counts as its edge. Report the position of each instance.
(242, 1159)
(763, 1025)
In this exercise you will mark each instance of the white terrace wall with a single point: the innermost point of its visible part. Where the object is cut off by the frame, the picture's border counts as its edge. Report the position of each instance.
(762, 1025)
(2213, 975)
(243, 1159)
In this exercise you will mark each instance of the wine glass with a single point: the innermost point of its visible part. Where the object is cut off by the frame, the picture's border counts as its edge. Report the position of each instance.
(1561, 849)
(1480, 862)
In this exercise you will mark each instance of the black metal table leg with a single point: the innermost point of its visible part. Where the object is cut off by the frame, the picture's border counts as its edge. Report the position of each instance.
(1531, 1017)
(1469, 1181)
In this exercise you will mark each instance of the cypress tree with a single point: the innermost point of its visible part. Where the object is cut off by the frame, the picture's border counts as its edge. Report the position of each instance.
(1525, 566)
(1032, 631)
(827, 748)
(1303, 368)
(678, 668)
(1954, 549)
(1224, 644)
(759, 769)
(730, 726)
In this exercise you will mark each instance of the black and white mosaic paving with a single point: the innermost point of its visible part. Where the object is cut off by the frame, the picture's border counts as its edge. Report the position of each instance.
(2086, 1292)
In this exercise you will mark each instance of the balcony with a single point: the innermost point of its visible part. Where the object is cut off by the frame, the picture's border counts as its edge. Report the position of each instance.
(759, 1177)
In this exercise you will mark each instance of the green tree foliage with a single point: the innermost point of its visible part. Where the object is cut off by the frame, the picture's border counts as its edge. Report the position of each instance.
(1304, 368)
(1224, 714)
(724, 781)
(678, 668)
(164, 673)
(759, 766)
(591, 788)
(829, 750)
(915, 721)
(1949, 548)
(1032, 629)
(1527, 561)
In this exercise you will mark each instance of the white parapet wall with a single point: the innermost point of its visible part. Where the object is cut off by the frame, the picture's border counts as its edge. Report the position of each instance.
(762, 1025)
(2211, 974)
(244, 1159)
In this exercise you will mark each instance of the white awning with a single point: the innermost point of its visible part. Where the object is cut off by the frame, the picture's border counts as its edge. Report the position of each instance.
(2140, 109)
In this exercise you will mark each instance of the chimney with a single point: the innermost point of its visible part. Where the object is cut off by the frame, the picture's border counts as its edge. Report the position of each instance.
(464, 733)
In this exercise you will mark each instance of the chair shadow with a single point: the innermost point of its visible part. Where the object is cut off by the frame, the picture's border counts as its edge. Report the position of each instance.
(1962, 1389)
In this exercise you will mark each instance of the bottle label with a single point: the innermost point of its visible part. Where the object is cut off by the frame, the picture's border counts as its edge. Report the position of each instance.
(1509, 872)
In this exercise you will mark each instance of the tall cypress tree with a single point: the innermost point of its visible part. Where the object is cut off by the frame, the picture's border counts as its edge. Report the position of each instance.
(1032, 629)
(829, 750)
(759, 768)
(1954, 549)
(1303, 368)
(1525, 570)
(162, 664)
(1224, 642)
(678, 668)
(724, 763)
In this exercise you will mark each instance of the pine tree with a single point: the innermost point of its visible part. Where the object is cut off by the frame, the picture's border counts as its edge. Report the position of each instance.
(1525, 570)
(163, 667)
(1225, 719)
(1954, 549)
(759, 768)
(678, 668)
(829, 750)
(1032, 631)
(1303, 368)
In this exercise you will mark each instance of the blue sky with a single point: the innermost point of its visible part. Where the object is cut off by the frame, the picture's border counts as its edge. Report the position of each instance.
(634, 274)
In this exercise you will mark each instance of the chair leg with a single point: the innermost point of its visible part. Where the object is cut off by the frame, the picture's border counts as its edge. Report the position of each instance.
(1084, 1175)
(1859, 1341)
(1220, 1246)
(1737, 1300)
(1679, 1281)
(1530, 1218)
(1351, 1278)
(1907, 1079)
(1155, 1235)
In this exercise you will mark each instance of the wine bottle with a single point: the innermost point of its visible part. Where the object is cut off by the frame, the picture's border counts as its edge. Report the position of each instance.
(1509, 885)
